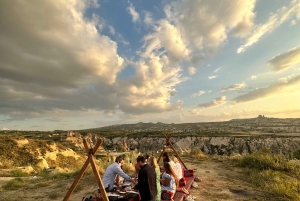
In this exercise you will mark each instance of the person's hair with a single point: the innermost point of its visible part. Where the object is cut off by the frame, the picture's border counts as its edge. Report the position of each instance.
(147, 156)
(167, 157)
(175, 159)
(140, 158)
(171, 172)
(119, 159)
(153, 162)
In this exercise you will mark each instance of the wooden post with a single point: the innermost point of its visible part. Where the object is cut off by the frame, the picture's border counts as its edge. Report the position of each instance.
(90, 160)
(168, 144)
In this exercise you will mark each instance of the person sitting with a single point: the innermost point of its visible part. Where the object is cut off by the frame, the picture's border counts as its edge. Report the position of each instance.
(167, 159)
(169, 181)
(112, 171)
(177, 168)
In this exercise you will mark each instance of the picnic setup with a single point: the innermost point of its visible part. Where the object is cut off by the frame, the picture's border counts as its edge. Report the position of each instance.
(127, 190)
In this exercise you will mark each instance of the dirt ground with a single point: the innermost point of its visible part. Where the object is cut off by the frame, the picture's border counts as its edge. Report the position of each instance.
(220, 181)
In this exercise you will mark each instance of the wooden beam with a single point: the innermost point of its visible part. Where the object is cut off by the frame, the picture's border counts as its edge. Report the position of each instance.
(77, 179)
(98, 179)
(90, 160)
(178, 156)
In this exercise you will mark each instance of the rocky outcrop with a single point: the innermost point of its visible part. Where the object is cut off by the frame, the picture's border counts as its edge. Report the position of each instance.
(214, 145)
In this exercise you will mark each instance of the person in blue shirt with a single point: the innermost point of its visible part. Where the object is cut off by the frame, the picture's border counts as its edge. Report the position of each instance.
(112, 171)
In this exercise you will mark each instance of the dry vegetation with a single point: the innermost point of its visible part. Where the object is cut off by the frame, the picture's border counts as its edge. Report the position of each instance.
(259, 176)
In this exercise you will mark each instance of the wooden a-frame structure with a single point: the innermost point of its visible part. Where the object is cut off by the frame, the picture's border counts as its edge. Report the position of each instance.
(90, 160)
(168, 144)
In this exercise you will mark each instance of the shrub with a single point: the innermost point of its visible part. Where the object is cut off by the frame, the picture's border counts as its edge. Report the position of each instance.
(18, 173)
(197, 153)
(264, 160)
(296, 154)
(15, 184)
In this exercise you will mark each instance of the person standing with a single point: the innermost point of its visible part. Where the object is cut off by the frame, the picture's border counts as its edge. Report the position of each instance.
(112, 171)
(153, 162)
(146, 180)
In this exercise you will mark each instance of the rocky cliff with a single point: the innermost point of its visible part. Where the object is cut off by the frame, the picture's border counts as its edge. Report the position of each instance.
(213, 145)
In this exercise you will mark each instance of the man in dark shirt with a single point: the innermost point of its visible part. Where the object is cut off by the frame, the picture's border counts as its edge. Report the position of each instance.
(146, 180)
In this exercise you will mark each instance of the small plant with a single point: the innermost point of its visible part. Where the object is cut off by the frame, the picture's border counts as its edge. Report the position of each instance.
(197, 153)
(78, 188)
(18, 173)
(15, 184)
(53, 195)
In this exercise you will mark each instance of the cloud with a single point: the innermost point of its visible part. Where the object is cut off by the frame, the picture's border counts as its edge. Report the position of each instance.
(205, 24)
(212, 77)
(192, 70)
(293, 22)
(253, 77)
(234, 87)
(278, 87)
(148, 20)
(274, 21)
(151, 88)
(217, 70)
(5, 129)
(214, 103)
(111, 30)
(135, 15)
(285, 60)
(198, 93)
(55, 61)
(165, 36)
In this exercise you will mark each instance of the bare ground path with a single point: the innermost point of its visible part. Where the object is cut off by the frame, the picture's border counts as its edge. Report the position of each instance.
(222, 181)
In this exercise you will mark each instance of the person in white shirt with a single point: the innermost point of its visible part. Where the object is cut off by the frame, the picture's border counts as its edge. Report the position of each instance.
(112, 171)
(167, 159)
(177, 168)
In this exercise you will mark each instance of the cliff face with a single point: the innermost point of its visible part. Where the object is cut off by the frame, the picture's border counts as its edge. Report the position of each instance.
(214, 145)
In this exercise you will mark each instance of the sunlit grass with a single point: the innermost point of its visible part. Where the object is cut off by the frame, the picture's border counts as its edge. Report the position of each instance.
(272, 173)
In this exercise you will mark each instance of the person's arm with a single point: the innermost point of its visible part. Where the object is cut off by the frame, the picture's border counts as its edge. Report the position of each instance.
(141, 180)
(165, 182)
(120, 172)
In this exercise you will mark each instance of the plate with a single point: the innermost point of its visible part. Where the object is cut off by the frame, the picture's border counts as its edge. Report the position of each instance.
(132, 192)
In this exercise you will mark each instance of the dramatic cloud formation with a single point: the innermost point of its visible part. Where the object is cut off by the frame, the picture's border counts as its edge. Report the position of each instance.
(213, 19)
(274, 21)
(285, 60)
(268, 91)
(64, 63)
(234, 87)
(135, 15)
(198, 93)
(214, 103)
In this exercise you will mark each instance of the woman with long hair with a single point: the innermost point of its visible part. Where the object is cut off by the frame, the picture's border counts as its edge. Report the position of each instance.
(153, 162)
(167, 159)
(177, 169)
(169, 180)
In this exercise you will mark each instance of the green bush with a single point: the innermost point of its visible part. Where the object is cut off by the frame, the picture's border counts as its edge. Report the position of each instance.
(265, 160)
(296, 154)
(15, 184)
(272, 173)
(18, 173)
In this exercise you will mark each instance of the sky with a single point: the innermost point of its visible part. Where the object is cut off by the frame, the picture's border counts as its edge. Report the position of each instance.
(78, 64)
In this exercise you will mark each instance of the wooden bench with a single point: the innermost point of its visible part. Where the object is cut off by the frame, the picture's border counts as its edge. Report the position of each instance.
(179, 196)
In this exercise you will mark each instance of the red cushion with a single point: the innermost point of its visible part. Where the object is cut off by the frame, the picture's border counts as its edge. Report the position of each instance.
(166, 195)
(188, 172)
